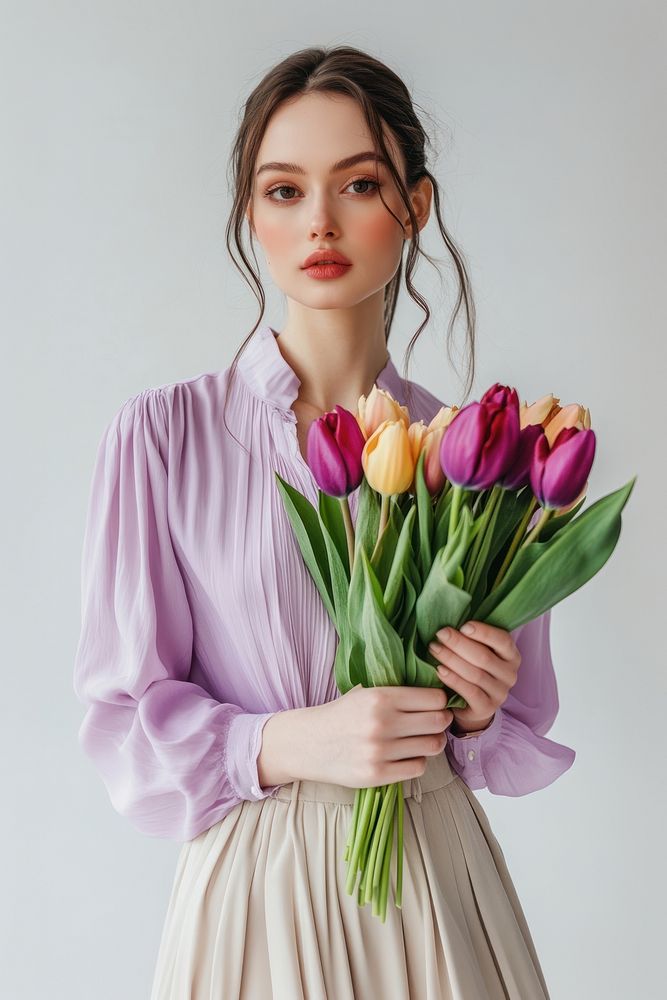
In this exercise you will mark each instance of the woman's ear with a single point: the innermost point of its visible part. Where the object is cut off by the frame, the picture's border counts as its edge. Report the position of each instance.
(420, 197)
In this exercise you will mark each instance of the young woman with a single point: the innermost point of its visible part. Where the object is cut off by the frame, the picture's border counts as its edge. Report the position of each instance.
(205, 657)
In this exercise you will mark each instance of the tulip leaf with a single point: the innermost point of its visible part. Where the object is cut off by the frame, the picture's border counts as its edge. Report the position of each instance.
(383, 648)
(441, 602)
(368, 518)
(544, 573)
(424, 516)
(402, 552)
(382, 559)
(331, 513)
(340, 584)
(407, 606)
(421, 673)
(308, 530)
(349, 665)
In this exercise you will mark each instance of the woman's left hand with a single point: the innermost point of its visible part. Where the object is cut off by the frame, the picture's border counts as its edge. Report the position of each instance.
(482, 668)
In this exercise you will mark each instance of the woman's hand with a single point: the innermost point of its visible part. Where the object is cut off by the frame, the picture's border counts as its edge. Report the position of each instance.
(482, 668)
(371, 736)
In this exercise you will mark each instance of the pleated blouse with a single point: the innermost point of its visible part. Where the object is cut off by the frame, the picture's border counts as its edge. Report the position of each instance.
(200, 620)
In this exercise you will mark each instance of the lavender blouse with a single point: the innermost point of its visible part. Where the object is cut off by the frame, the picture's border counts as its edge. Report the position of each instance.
(200, 620)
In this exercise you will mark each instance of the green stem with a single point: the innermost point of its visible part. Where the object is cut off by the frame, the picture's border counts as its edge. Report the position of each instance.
(485, 517)
(353, 825)
(349, 530)
(384, 517)
(384, 884)
(366, 808)
(454, 508)
(399, 856)
(386, 823)
(532, 536)
(518, 535)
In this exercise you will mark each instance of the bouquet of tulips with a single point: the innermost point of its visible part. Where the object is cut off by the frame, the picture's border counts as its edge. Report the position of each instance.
(443, 533)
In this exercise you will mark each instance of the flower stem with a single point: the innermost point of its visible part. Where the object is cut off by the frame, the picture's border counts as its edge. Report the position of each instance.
(518, 535)
(454, 508)
(349, 530)
(532, 536)
(384, 517)
(485, 517)
(399, 856)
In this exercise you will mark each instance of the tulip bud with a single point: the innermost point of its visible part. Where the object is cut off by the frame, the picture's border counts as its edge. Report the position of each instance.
(378, 406)
(539, 412)
(334, 445)
(479, 444)
(518, 473)
(559, 473)
(573, 415)
(387, 458)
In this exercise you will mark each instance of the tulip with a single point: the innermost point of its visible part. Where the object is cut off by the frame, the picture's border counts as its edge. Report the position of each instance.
(378, 406)
(573, 415)
(480, 442)
(539, 412)
(559, 473)
(334, 446)
(518, 474)
(428, 439)
(387, 458)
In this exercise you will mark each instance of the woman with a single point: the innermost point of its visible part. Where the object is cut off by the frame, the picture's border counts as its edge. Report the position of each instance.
(205, 657)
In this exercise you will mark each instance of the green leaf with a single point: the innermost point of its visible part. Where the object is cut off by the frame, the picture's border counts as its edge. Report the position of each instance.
(424, 517)
(368, 518)
(402, 553)
(331, 514)
(441, 602)
(307, 528)
(544, 573)
(384, 655)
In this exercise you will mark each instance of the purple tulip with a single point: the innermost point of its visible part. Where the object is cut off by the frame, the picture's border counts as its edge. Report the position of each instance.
(559, 474)
(479, 444)
(334, 445)
(501, 395)
(518, 474)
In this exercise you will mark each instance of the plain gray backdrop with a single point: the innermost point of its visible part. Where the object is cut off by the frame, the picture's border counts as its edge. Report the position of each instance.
(117, 120)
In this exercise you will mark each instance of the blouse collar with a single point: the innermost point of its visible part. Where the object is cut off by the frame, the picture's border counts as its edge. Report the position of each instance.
(270, 377)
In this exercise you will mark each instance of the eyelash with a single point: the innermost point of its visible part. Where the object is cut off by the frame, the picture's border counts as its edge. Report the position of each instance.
(291, 187)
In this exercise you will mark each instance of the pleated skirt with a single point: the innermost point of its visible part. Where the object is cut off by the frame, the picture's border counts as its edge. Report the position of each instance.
(259, 908)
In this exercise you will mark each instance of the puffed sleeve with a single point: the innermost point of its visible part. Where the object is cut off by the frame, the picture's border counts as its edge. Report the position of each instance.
(512, 756)
(174, 759)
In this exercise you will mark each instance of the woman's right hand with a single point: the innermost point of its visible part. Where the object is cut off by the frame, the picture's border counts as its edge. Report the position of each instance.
(376, 735)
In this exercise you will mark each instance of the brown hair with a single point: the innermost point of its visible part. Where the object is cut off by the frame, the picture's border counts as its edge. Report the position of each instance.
(382, 96)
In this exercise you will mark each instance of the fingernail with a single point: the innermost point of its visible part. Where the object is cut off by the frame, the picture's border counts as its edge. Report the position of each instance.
(468, 629)
(444, 634)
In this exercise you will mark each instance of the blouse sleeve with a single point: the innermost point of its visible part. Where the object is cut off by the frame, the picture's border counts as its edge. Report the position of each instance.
(512, 756)
(174, 760)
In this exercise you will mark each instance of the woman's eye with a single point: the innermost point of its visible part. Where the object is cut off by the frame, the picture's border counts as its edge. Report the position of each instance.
(289, 187)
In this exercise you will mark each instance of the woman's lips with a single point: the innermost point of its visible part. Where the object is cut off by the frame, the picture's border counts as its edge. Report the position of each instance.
(326, 270)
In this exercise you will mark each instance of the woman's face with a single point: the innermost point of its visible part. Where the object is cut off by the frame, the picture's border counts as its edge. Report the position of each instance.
(295, 213)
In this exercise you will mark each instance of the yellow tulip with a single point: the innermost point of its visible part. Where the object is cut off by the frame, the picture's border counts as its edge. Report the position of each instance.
(573, 415)
(539, 412)
(378, 406)
(387, 458)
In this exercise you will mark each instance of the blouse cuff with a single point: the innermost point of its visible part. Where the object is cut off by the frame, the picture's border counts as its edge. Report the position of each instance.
(508, 758)
(244, 743)
(470, 751)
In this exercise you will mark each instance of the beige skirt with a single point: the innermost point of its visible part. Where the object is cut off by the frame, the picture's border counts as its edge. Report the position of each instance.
(259, 908)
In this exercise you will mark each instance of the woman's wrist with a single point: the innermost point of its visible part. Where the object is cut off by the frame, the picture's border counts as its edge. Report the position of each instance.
(281, 755)
(474, 728)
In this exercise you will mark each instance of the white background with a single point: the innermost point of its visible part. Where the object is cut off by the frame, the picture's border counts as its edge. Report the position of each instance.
(116, 124)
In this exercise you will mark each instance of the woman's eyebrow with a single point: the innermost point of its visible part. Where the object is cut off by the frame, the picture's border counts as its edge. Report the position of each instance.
(349, 161)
